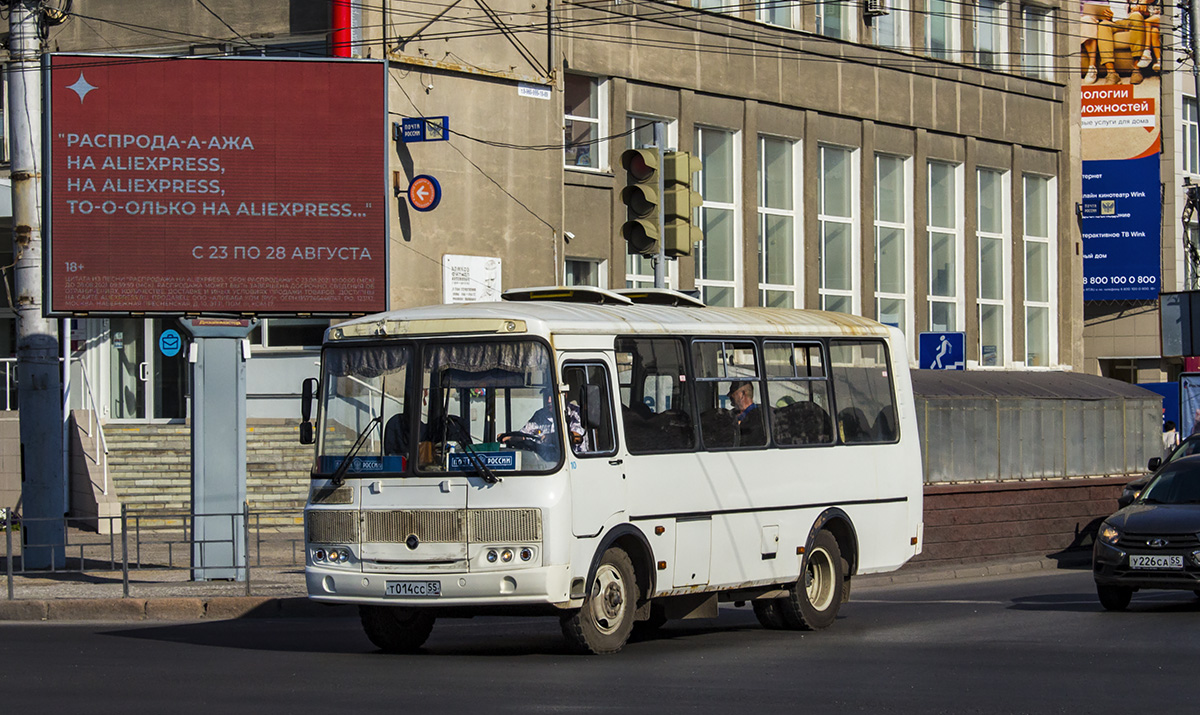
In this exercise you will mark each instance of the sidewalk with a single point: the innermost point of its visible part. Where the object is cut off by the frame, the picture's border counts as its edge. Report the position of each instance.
(278, 592)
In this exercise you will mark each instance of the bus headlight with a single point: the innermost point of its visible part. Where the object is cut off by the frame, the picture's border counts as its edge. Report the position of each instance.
(506, 555)
(492, 556)
(526, 553)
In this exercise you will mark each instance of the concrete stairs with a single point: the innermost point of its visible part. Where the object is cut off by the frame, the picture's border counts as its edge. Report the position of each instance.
(150, 470)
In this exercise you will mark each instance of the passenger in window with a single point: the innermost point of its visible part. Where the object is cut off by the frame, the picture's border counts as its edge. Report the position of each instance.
(538, 433)
(751, 431)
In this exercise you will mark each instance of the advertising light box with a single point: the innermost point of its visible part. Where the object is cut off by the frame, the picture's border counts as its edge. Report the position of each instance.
(215, 185)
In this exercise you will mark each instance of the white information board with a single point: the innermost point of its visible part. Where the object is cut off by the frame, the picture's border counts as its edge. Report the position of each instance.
(470, 279)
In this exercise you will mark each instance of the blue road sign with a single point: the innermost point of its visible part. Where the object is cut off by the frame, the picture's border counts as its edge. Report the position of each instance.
(170, 343)
(942, 351)
(421, 129)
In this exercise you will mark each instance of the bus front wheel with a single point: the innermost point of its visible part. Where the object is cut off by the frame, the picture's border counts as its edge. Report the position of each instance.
(813, 601)
(395, 629)
(605, 621)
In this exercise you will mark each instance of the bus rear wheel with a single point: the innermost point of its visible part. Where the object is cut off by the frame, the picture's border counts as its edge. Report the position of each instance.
(813, 601)
(605, 621)
(395, 629)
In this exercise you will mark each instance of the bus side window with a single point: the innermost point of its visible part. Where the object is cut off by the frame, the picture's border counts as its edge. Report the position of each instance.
(655, 408)
(589, 409)
(798, 393)
(862, 390)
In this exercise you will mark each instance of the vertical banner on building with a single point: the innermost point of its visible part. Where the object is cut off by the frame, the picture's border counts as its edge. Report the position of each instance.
(1121, 52)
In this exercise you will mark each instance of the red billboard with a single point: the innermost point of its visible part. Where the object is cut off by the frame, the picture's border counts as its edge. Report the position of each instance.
(215, 185)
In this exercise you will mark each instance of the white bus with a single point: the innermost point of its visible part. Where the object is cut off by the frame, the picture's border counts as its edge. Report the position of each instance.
(616, 458)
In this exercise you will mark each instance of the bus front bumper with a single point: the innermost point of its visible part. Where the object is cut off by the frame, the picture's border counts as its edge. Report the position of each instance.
(542, 585)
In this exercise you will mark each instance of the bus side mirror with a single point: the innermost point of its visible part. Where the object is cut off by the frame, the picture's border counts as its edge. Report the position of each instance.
(307, 391)
(592, 408)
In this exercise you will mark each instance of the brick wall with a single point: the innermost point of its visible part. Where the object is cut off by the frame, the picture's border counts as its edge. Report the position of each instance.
(967, 523)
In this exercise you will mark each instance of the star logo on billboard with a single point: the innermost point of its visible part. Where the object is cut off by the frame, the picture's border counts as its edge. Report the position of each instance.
(81, 87)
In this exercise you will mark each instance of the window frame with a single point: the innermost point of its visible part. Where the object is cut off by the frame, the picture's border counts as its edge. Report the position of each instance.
(909, 259)
(610, 408)
(695, 379)
(997, 30)
(1050, 305)
(795, 213)
(769, 398)
(1190, 135)
(852, 222)
(847, 16)
(702, 282)
(599, 147)
(1004, 302)
(898, 15)
(1037, 43)
(953, 30)
(958, 299)
(833, 381)
(683, 342)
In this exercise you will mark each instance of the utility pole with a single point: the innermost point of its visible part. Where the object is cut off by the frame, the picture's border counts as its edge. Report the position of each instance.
(39, 381)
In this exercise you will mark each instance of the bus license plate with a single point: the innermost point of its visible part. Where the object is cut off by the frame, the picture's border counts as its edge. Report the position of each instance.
(1144, 561)
(414, 588)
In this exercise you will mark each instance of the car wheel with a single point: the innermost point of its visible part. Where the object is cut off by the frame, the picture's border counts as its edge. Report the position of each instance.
(813, 601)
(605, 621)
(395, 629)
(769, 614)
(1114, 598)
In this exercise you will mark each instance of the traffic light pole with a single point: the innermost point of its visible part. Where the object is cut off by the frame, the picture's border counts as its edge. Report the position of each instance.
(660, 260)
(39, 396)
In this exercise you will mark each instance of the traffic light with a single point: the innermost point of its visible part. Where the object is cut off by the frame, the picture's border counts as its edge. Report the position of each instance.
(641, 199)
(679, 203)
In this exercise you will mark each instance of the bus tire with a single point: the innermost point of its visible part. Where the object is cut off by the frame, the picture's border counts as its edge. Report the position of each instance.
(769, 613)
(813, 601)
(605, 621)
(395, 629)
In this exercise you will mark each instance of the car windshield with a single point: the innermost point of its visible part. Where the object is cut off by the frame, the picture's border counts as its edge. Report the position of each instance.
(1187, 449)
(473, 407)
(1178, 483)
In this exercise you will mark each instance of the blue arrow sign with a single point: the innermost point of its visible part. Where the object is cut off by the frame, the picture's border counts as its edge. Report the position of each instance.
(942, 351)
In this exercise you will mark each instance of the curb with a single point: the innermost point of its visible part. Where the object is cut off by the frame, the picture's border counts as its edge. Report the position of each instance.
(168, 609)
(220, 608)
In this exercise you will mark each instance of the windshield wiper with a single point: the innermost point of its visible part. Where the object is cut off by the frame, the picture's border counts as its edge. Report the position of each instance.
(339, 475)
(465, 441)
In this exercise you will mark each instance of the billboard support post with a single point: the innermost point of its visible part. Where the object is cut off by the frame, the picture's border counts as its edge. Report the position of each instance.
(43, 493)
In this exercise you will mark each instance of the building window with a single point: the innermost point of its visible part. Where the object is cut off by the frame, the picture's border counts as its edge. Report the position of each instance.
(289, 333)
(945, 250)
(1191, 135)
(1036, 41)
(837, 210)
(586, 272)
(891, 30)
(892, 245)
(583, 121)
(639, 269)
(941, 28)
(994, 261)
(1040, 277)
(777, 224)
(991, 34)
(834, 19)
(778, 12)
(717, 256)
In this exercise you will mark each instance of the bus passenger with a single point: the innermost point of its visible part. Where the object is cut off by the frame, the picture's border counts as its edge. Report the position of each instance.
(749, 418)
(540, 428)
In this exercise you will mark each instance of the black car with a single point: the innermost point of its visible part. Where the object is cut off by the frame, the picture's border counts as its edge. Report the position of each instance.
(1155, 541)
(1186, 448)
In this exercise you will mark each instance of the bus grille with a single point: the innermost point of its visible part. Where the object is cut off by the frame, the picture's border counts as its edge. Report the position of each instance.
(331, 495)
(438, 526)
(444, 526)
(333, 527)
(504, 525)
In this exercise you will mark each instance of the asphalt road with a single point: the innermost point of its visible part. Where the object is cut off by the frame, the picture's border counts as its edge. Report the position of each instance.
(1015, 644)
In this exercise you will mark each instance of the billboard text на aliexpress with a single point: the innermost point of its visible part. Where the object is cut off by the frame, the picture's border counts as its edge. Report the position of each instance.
(215, 185)
(1121, 209)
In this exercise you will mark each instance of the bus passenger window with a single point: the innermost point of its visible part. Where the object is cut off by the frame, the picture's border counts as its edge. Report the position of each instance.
(798, 392)
(862, 389)
(728, 394)
(588, 393)
(654, 399)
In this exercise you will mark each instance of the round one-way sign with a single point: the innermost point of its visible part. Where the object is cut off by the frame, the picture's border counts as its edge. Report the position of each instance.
(424, 193)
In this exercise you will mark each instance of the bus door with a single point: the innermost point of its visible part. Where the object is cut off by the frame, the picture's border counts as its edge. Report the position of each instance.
(596, 472)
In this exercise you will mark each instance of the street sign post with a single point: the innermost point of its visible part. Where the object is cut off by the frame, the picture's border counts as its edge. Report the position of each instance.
(942, 351)
(421, 129)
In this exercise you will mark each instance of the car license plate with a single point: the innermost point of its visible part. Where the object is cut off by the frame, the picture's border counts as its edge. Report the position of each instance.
(413, 588)
(1145, 561)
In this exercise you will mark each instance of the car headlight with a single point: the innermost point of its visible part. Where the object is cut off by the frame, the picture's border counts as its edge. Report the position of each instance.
(1109, 534)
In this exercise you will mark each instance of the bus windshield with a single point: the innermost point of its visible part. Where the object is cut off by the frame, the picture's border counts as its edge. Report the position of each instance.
(470, 407)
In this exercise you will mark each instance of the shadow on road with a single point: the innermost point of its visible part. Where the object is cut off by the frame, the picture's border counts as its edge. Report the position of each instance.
(1146, 601)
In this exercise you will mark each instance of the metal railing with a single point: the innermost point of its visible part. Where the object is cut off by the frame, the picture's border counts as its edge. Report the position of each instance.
(157, 547)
